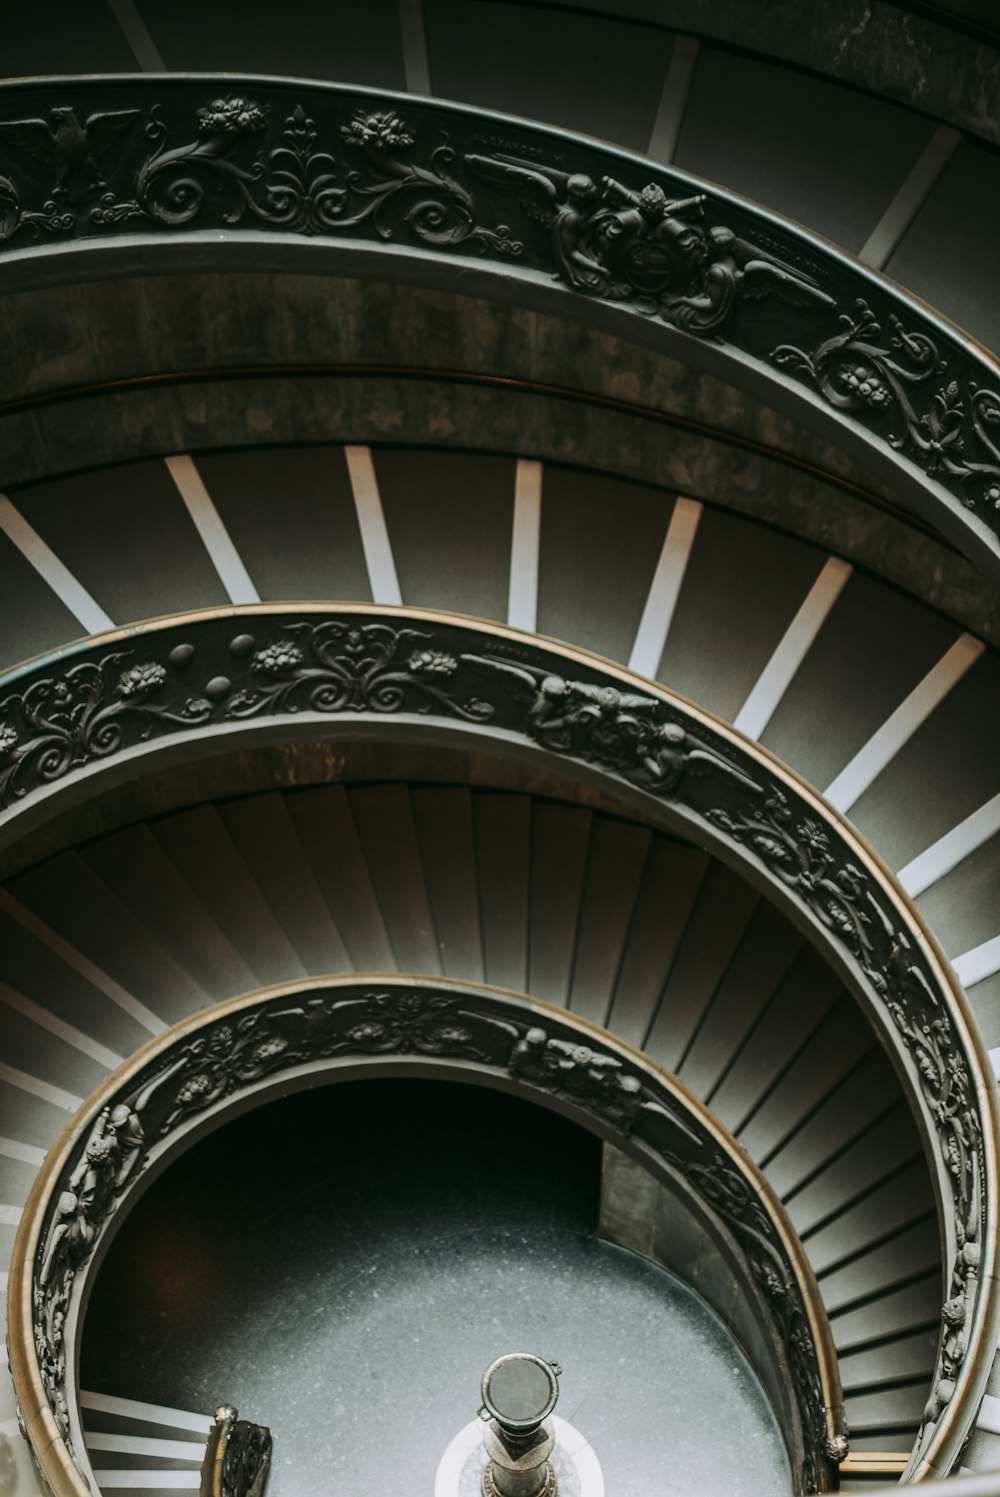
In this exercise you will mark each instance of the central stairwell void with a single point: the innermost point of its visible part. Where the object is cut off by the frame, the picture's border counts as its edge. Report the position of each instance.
(345, 1261)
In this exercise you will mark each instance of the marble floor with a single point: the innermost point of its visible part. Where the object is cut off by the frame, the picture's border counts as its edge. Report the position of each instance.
(363, 1253)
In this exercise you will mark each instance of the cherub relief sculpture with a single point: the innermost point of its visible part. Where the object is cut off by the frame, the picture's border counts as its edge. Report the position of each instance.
(610, 727)
(601, 1081)
(565, 202)
(113, 1153)
(114, 1150)
(647, 248)
(578, 1071)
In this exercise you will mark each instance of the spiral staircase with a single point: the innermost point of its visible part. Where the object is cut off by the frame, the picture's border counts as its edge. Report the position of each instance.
(198, 428)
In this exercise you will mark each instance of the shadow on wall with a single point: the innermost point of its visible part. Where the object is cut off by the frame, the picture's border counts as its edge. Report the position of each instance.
(8, 1468)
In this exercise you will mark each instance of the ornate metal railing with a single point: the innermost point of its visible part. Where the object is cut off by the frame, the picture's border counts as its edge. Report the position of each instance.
(237, 1457)
(185, 687)
(86, 163)
(188, 1077)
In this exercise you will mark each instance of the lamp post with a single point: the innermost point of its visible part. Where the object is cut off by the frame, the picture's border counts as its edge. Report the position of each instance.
(519, 1394)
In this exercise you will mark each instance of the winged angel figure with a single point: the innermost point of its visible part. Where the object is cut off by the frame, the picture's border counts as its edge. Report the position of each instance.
(608, 726)
(610, 241)
(565, 202)
(70, 149)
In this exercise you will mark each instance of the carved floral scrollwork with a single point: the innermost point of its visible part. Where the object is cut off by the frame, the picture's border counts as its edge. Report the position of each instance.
(230, 1057)
(200, 1073)
(801, 854)
(341, 165)
(61, 722)
(336, 667)
(298, 185)
(54, 724)
(362, 175)
(903, 389)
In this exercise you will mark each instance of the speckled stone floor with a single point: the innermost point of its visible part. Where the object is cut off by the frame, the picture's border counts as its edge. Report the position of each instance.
(368, 1249)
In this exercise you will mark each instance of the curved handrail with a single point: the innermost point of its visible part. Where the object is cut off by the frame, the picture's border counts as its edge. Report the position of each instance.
(188, 684)
(88, 163)
(237, 1458)
(184, 1081)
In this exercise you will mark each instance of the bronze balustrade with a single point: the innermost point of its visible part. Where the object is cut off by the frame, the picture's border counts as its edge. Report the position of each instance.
(179, 689)
(248, 170)
(187, 1080)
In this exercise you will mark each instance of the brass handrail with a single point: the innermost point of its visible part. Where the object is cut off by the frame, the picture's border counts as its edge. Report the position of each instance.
(215, 1451)
(181, 685)
(186, 1078)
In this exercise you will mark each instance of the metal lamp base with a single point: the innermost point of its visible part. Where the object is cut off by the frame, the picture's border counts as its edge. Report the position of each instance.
(574, 1462)
(490, 1488)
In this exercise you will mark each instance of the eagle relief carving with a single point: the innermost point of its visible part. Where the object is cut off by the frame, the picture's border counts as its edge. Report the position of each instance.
(71, 150)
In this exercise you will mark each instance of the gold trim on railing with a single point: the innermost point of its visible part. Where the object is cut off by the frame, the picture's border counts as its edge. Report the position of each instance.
(875, 1463)
(607, 699)
(215, 1451)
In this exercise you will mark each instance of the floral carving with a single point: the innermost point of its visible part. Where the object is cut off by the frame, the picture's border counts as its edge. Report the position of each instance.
(65, 721)
(231, 117)
(229, 1054)
(412, 1023)
(139, 680)
(277, 660)
(800, 853)
(56, 723)
(59, 723)
(340, 667)
(899, 385)
(336, 164)
(296, 184)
